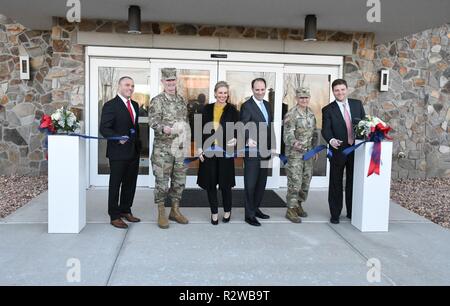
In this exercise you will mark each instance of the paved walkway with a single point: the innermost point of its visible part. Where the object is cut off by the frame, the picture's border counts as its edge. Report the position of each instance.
(413, 252)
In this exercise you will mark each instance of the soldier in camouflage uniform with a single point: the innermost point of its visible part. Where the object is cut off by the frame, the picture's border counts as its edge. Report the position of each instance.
(300, 136)
(168, 119)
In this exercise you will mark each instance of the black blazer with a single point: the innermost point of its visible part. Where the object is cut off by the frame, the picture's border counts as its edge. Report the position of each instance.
(116, 121)
(230, 114)
(333, 124)
(221, 171)
(250, 112)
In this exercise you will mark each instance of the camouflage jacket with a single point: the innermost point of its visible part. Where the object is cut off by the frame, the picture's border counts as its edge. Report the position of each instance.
(299, 126)
(167, 110)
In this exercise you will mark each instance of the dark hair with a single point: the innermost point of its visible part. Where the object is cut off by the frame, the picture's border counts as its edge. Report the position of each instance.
(259, 80)
(339, 82)
(125, 77)
(201, 98)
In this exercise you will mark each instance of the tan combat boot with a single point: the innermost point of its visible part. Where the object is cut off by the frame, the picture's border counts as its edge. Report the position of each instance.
(300, 212)
(175, 214)
(163, 222)
(292, 216)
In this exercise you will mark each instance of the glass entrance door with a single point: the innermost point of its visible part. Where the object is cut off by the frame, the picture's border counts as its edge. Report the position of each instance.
(318, 79)
(239, 76)
(104, 77)
(196, 82)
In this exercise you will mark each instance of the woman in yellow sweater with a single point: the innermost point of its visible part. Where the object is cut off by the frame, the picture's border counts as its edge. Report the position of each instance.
(217, 168)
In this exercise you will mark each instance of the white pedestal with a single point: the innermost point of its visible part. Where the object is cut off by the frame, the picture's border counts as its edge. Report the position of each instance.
(66, 184)
(371, 195)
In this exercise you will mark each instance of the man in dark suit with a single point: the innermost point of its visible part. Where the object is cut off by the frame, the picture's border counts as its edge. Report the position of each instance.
(259, 137)
(338, 119)
(120, 118)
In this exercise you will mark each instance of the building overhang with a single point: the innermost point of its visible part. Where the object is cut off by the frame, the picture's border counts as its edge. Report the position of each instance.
(399, 18)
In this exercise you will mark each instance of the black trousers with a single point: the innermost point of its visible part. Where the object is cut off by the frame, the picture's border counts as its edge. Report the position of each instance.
(123, 178)
(255, 179)
(335, 190)
(213, 202)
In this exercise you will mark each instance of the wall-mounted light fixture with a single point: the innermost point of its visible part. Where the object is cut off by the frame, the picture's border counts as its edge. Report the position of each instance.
(310, 28)
(24, 67)
(134, 19)
(384, 80)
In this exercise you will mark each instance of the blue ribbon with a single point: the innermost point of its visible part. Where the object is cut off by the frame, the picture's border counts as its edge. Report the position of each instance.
(132, 132)
(283, 159)
(47, 132)
(349, 150)
(233, 155)
(311, 153)
(377, 136)
(210, 149)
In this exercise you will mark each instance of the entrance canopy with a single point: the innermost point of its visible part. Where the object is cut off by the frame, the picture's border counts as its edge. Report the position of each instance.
(399, 18)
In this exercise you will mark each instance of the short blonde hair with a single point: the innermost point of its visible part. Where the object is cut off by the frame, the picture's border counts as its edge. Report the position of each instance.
(221, 84)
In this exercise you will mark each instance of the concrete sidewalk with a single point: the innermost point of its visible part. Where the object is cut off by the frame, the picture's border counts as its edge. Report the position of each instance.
(415, 251)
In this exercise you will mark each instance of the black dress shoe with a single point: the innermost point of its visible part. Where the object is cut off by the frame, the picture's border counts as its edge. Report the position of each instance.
(349, 216)
(334, 221)
(252, 221)
(214, 222)
(261, 215)
(226, 220)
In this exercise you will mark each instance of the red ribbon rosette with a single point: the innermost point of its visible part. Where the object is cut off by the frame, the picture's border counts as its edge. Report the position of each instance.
(47, 123)
(378, 133)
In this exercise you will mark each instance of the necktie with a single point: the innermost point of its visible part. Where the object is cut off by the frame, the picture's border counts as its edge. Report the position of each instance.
(348, 123)
(264, 111)
(130, 111)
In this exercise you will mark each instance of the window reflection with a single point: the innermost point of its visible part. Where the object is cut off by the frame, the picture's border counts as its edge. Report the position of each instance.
(108, 88)
(193, 86)
(319, 86)
(241, 90)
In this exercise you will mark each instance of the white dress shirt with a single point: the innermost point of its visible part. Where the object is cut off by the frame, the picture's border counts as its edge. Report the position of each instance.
(261, 106)
(126, 105)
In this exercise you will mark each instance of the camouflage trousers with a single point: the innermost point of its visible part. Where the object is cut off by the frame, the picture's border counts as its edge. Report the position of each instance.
(299, 174)
(166, 166)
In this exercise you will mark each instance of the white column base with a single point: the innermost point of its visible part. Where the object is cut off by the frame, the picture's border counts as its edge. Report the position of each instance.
(371, 195)
(66, 184)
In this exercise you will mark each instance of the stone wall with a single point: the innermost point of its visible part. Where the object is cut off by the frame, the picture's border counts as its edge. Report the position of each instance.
(23, 102)
(121, 27)
(416, 106)
(418, 102)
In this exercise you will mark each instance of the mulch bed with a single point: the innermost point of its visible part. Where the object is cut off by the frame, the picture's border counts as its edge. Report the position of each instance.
(16, 191)
(429, 197)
